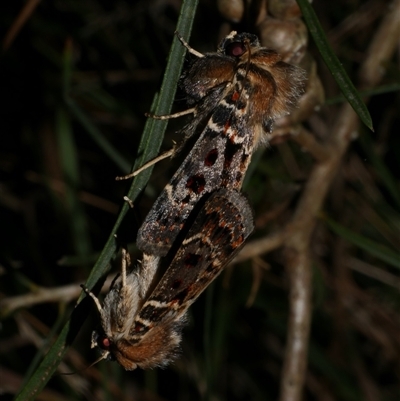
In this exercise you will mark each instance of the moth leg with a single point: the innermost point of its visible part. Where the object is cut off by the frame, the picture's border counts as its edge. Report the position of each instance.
(129, 202)
(126, 261)
(170, 116)
(145, 166)
(95, 299)
(189, 49)
(148, 270)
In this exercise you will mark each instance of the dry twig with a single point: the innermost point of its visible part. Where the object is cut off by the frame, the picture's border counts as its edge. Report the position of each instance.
(296, 236)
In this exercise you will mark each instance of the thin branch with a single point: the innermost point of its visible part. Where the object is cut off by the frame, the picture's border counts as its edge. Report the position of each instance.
(66, 293)
(261, 246)
(297, 248)
(309, 143)
(298, 265)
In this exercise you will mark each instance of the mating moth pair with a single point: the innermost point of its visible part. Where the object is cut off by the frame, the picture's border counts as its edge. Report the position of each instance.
(200, 220)
(141, 320)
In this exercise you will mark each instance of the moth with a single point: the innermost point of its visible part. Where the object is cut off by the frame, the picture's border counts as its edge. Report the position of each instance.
(141, 319)
(237, 93)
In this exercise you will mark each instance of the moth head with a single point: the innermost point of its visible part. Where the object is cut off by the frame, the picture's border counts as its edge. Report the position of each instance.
(235, 45)
(156, 347)
(100, 340)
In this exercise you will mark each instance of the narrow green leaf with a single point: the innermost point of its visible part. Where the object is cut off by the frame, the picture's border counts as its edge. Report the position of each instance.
(334, 65)
(372, 247)
(149, 147)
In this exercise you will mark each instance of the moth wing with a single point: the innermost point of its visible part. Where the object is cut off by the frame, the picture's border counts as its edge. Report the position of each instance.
(218, 159)
(216, 236)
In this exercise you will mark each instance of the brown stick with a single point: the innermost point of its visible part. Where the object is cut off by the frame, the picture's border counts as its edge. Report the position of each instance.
(297, 248)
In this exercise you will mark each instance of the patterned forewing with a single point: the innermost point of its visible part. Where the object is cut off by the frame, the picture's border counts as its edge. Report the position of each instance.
(218, 159)
(216, 236)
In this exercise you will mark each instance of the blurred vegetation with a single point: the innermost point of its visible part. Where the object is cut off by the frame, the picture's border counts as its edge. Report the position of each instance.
(76, 79)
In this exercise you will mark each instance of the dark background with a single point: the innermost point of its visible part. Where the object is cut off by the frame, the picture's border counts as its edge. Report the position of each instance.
(59, 200)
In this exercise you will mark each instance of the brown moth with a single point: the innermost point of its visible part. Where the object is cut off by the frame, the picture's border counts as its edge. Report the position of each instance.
(237, 93)
(141, 321)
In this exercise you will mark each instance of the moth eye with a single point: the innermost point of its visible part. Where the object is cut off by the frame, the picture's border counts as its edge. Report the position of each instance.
(104, 343)
(235, 49)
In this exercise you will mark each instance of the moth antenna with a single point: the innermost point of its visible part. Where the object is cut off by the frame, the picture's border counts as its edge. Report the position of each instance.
(103, 356)
(95, 299)
(100, 358)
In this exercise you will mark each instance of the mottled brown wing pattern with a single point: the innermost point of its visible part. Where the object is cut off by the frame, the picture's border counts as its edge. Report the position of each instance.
(216, 236)
(209, 167)
(255, 87)
(142, 329)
